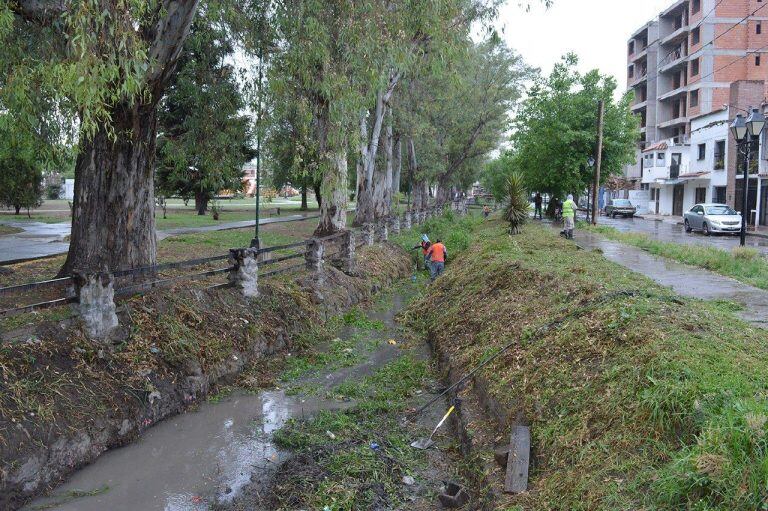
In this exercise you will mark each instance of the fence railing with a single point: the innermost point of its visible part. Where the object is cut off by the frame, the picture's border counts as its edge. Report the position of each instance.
(94, 293)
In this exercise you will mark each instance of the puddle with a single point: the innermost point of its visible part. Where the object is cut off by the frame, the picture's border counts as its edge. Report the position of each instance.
(190, 461)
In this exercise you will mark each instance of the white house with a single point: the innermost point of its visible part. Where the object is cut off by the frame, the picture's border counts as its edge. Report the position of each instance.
(663, 164)
(708, 175)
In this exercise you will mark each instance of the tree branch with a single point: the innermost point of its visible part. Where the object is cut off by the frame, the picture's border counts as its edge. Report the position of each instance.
(167, 39)
(42, 12)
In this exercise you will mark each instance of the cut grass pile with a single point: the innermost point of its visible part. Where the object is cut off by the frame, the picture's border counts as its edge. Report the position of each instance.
(7, 229)
(743, 264)
(644, 402)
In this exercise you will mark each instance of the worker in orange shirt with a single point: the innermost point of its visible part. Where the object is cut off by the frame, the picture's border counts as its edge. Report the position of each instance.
(438, 255)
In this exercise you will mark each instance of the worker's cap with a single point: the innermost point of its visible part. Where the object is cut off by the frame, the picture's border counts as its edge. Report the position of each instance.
(424, 238)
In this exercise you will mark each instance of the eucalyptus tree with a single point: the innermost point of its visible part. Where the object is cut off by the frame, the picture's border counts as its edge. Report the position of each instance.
(414, 38)
(322, 59)
(110, 63)
(461, 115)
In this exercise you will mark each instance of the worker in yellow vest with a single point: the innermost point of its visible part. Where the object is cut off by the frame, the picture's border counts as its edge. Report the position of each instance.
(569, 216)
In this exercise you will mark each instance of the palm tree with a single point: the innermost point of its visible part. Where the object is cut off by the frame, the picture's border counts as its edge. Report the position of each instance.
(516, 212)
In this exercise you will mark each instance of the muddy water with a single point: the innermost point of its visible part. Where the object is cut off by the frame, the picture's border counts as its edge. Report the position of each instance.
(188, 462)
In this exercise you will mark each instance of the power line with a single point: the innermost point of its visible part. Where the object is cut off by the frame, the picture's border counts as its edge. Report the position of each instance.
(730, 28)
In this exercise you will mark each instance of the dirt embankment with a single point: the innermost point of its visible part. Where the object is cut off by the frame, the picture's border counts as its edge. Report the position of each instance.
(64, 400)
(640, 401)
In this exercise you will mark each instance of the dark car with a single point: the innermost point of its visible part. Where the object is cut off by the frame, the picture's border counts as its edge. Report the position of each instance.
(620, 207)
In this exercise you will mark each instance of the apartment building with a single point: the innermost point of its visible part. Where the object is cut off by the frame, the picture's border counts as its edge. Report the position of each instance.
(681, 67)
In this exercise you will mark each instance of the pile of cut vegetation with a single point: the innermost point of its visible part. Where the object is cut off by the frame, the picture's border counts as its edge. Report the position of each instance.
(641, 401)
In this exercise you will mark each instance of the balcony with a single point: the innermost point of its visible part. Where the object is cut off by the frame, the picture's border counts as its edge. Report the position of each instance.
(677, 121)
(674, 60)
(640, 105)
(682, 89)
(679, 34)
(639, 80)
(639, 55)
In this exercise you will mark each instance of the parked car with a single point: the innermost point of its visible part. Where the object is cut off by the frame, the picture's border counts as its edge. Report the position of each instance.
(713, 218)
(620, 207)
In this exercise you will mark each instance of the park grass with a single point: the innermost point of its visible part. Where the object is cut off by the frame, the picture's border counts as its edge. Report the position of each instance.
(743, 264)
(7, 229)
(645, 401)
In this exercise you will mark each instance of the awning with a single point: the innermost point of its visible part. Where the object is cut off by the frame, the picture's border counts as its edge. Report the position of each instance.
(661, 146)
(668, 181)
(694, 175)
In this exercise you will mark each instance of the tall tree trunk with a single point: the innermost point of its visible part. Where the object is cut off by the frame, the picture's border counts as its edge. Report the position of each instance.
(333, 211)
(416, 187)
(366, 207)
(18, 209)
(382, 193)
(304, 205)
(113, 224)
(420, 195)
(397, 165)
(444, 190)
(201, 202)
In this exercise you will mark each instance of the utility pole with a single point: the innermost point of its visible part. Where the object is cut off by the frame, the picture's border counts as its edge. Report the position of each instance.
(598, 158)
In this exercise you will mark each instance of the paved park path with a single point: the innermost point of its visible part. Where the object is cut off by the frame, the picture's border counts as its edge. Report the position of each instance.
(684, 280)
(40, 240)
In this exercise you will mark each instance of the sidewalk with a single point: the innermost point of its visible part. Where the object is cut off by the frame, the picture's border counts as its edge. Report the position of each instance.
(684, 280)
(675, 220)
(39, 240)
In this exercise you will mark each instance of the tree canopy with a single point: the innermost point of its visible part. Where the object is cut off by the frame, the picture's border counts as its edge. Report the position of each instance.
(555, 130)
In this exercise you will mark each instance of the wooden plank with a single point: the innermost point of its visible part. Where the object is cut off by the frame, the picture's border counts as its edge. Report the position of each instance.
(516, 480)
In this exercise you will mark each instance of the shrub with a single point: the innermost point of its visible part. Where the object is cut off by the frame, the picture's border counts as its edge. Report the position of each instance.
(516, 212)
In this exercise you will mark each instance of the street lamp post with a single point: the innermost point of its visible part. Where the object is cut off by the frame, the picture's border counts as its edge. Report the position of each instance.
(747, 132)
(256, 242)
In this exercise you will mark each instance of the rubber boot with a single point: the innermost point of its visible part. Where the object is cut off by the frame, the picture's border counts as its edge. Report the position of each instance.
(570, 234)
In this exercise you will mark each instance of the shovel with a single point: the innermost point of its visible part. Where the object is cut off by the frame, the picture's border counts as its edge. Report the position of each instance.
(426, 443)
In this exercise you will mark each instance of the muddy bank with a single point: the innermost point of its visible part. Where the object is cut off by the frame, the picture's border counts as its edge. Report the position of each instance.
(65, 400)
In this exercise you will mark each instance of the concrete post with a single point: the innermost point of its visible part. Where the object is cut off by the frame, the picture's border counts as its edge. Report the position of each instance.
(394, 225)
(348, 253)
(464, 207)
(96, 296)
(367, 233)
(382, 233)
(407, 220)
(314, 255)
(245, 271)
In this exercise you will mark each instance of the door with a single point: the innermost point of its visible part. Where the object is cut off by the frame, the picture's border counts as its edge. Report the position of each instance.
(697, 219)
(657, 191)
(701, 195)
(677, 200)
(674, 168)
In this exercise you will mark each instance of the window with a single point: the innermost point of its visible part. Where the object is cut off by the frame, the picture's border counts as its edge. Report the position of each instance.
(631, 48)
(696, 36)
(660, 159)
(701, 195)
(757, 60)
(631, 72)
(759, 28)
(720, 155)
(694, 67)
(694, 101)
(718, 195)
(702, 152)
(695, 6)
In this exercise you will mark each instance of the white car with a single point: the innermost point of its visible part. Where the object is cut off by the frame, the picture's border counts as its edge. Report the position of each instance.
(713, 218)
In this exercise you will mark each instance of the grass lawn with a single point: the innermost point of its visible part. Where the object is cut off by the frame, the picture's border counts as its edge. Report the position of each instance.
(6, 229)
(743, 264)
(644, 401)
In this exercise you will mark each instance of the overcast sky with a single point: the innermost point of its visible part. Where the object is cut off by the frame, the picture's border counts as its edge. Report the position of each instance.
(596, 30)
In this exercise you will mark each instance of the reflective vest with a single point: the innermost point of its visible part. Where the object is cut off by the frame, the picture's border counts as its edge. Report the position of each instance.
(437, 253)
(569, 209)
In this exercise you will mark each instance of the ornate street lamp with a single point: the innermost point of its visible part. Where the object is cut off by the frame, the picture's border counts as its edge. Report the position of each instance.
(747, 132)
